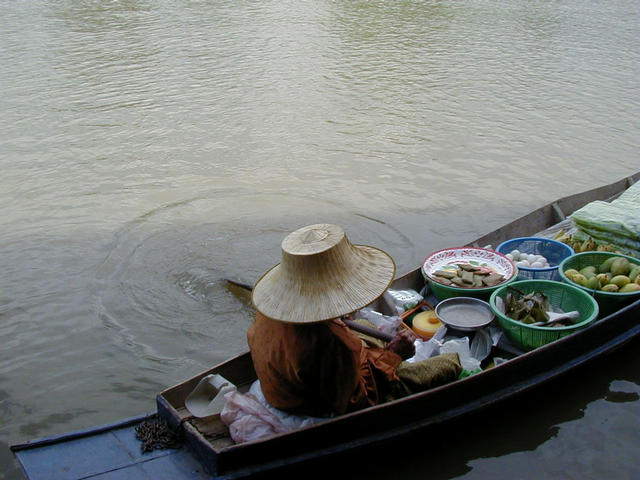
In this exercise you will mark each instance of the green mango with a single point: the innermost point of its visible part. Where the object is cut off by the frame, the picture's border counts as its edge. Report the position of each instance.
(630, 287)
(589, 271)
(571, 272)
(620, 280)
(580, 279)
(610, 287)
(620, 266)
(592, 282)
(606, 265)
(604, 278)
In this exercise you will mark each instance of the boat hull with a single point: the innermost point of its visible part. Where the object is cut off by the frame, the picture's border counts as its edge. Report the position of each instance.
(421, 412)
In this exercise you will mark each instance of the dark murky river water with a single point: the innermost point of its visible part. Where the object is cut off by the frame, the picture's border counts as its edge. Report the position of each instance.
(150, 149)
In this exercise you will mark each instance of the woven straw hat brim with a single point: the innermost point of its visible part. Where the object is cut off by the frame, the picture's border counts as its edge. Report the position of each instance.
(330, 288)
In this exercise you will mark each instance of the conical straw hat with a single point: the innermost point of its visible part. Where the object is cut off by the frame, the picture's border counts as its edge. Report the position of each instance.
(322, 276)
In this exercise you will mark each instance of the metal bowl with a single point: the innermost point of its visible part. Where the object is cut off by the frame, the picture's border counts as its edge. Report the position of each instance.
(464, 313)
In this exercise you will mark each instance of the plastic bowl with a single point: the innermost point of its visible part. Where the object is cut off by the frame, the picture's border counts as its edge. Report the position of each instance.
(562, 296)
(555, 252)
(479, 256)
(608, 302)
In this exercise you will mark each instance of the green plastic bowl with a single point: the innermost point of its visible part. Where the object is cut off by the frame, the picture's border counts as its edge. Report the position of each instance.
(484, 257)
(442, 292)
(562, 296)
(608, 302)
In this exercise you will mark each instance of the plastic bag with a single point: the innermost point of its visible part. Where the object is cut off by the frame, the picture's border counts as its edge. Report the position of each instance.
(429, 348)
(461, 347)
(423, 350)
(481, 344)
(248, 419)
(619, 218)
(290, 420)
(384, 323)
(496, 334)
(403, 300)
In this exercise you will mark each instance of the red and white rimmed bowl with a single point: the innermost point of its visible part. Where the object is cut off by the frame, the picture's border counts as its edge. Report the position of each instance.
(481, 257)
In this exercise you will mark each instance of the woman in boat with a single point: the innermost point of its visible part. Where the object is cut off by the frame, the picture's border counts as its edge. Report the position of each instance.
(307, 359)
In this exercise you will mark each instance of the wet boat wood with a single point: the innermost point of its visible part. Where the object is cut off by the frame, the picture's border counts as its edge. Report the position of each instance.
(212, 454)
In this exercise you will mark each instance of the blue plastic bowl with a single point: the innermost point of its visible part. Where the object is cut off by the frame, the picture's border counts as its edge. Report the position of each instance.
(555, 252)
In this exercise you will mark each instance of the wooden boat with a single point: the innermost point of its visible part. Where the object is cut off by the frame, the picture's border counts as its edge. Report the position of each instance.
(212, 454)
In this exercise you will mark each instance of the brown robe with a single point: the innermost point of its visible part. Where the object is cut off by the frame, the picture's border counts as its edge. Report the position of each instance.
(319, 368)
